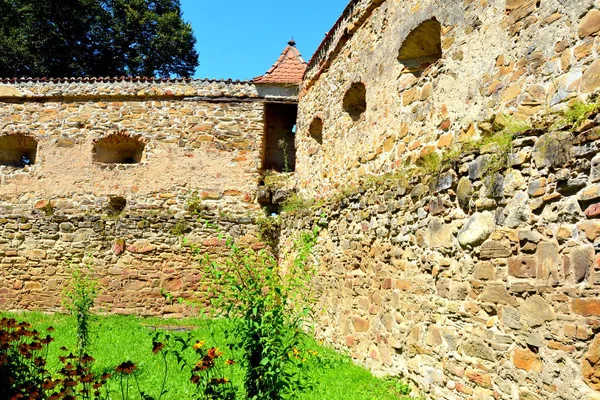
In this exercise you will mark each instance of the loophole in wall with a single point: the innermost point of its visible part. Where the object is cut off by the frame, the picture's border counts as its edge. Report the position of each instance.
(422, 47)
(116, 204)
(18, 150)
(355, 100)
(316, 130)
(119, 148)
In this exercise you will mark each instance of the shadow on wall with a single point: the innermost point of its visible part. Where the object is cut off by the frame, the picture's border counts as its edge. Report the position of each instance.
(280, 138)
(119, 148)
(355, 100)
(18, 150)
(422, 47)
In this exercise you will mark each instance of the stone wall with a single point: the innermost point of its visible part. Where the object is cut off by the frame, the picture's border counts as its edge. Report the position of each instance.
(143, 261)
(450, 252)
(473, 285)
(197, 177)
(519, 57)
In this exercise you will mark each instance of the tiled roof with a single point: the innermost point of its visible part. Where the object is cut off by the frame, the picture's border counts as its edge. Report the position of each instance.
(113, 79)
(288, 69)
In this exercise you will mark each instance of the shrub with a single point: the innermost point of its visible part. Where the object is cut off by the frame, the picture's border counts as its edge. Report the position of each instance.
(79, 297)
(269, 308)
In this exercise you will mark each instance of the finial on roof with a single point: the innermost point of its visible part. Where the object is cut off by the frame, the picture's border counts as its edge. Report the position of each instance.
(292, 43)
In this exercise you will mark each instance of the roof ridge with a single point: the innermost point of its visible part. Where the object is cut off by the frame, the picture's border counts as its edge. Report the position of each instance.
(134, 79)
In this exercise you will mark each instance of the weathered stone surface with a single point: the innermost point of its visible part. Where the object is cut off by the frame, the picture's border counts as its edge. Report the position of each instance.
(522, 266)
(595, 169)
(591, 229)
(553, 149)
(484, 271)
(590, 80)
(586, 307)
(495, 249)
(536, 311)
(141, 247)
(582, 260)
(511, 318)
(477, 229)
(517, 211)
(478, 349)
(592, 192)
(496, 293)
(527, 360)
(440, 233)
(547, 259)
(9, 91)
(590, 24)
(464, 191)
(590, 366)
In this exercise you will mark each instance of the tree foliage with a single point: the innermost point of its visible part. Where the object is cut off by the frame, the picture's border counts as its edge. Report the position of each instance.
(57, 38)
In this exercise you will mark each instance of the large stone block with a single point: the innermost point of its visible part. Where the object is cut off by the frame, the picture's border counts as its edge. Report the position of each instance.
(590, 366)
(477, 229)
(536, 311)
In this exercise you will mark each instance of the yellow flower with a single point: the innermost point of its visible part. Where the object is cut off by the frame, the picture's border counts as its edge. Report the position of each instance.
(198, 345)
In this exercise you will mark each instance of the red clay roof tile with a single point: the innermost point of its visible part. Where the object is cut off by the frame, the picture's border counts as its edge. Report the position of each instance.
(288, 69)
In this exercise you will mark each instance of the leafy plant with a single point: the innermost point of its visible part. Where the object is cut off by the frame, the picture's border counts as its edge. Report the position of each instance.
(295, 203)
(576, 114)
(283, 146)
(180, 228)
(78, 298)
(268, 229)
(269, 307)
(24, 368)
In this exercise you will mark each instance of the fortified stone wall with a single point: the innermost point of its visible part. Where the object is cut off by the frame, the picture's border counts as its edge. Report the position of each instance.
(425, 84)
(473, 285)
(118, 171)
(451, 252)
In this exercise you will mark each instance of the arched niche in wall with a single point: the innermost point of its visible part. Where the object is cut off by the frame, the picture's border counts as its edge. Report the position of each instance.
(355, 100)
(422, 47)
(119, 148)
(316, 130)
(18, 150)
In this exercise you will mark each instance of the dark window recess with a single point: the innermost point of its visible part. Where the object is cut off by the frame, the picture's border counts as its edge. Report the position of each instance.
(119, 148)
(422, 47)
(116, 204)
(279, 139)
(355, 100)
(17, 150)
(316, 130)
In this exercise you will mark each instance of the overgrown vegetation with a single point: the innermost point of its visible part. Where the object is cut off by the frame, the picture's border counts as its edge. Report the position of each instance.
(296, 202)
(269, 308)
(577, 112)
(121, 338)
(78, 298)
(269, 228)
(181, 228)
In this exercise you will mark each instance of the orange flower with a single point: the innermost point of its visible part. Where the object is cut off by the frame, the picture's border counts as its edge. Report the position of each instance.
(105, 377)
(48, 384)
(214, 353)
(198, 345)
(229, 362)
(87, 359)
(127, 368)
(157, 347)
(219, 381)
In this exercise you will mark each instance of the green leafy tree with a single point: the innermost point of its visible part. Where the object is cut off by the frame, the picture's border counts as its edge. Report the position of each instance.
(95, 37)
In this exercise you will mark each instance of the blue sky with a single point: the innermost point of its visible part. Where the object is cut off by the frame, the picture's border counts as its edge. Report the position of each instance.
(241, 39)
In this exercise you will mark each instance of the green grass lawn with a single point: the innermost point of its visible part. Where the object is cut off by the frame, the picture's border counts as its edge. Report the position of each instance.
(117, 338)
